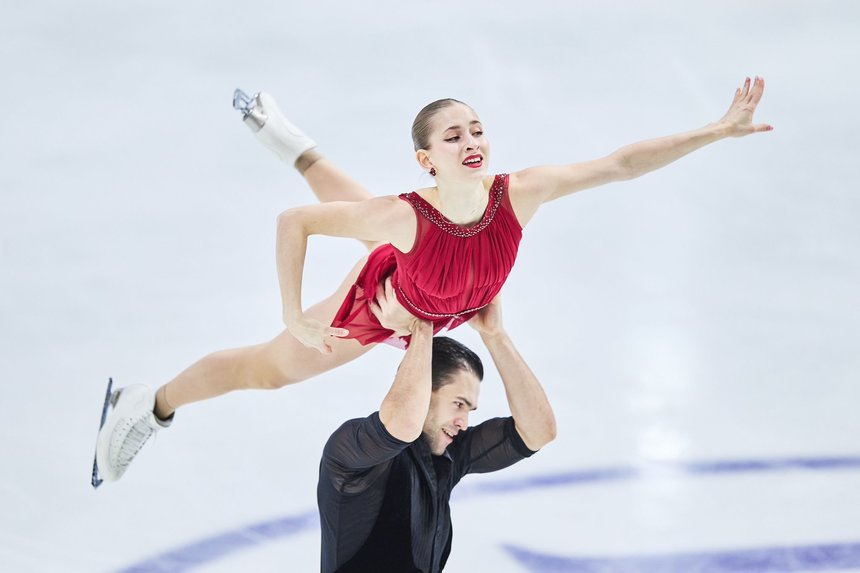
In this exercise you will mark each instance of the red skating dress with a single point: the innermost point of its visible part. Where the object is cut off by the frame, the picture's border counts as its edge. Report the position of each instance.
(448, 276)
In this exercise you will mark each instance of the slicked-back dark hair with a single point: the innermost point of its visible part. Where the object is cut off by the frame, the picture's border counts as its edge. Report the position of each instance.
(449, 356)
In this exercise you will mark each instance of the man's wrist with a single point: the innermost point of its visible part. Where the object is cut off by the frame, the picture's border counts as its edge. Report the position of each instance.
(493, 336)
(419, 327)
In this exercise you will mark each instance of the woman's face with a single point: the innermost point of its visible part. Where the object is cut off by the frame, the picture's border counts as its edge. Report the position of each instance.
(458, 148)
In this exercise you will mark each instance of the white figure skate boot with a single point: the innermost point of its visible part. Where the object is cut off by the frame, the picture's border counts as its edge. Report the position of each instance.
(262, 115)
(124, 430)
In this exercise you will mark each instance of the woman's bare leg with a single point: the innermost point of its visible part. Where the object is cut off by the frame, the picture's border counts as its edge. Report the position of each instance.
(283, 360)
(290, 144)
(274, 364)
(327, 181)
(293, 147)
(330, 183)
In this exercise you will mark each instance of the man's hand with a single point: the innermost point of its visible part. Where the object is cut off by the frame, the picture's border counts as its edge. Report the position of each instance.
(488, 321)
(390, 313)
(739, 118)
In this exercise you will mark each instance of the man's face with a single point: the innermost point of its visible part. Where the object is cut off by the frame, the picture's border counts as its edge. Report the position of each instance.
(449, 410)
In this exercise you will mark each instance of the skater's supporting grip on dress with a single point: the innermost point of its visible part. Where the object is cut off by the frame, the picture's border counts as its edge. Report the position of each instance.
(447, 248)
(385, 480)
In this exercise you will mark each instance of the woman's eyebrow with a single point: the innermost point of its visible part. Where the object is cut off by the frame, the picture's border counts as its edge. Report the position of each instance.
(455, 127)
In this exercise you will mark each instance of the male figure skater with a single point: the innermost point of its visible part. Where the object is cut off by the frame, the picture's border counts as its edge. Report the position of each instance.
(385, 480)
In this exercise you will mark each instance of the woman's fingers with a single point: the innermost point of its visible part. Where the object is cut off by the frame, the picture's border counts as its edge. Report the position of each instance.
(757, 91)
(336, 332)
(745, 90)
(321, 343)
(754, 92)
(316, 343)
(740, 114)
(314, 334)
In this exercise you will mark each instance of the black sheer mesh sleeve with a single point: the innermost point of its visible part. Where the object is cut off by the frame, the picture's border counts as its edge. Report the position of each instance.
(489, 446)
(357, 451)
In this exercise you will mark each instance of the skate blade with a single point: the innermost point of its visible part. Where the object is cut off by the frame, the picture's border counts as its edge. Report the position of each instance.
(253, 114)
(243, 102)
(110, 400)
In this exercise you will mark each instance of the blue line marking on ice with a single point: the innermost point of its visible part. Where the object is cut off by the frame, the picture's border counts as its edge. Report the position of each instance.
(213, 548)
(188, 557)
(764, 560)
(654, 470)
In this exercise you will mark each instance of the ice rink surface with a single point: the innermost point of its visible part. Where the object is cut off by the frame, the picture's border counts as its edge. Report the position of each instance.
(697, 330)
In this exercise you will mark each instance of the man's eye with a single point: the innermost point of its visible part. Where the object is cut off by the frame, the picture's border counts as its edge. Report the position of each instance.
(478, 134)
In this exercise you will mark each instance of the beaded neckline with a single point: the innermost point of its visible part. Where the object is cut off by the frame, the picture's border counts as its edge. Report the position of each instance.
(437, 218)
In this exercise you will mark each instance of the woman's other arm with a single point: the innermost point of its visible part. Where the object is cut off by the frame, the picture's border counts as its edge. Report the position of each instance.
(382, 219)
(536, 185)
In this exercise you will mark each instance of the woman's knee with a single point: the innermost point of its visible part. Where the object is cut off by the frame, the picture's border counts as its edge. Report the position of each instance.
(267, 371)
(251, 368)
(276, 379)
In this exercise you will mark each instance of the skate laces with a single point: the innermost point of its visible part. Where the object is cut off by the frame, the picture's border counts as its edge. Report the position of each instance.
(128, 440)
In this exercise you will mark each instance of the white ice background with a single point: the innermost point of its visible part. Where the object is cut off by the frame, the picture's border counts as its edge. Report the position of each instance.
(708, 311)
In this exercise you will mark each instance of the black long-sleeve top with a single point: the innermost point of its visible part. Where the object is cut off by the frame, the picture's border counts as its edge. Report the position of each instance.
(384, 503)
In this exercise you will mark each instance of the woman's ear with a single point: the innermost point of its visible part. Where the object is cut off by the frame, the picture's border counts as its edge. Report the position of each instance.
(423, 159)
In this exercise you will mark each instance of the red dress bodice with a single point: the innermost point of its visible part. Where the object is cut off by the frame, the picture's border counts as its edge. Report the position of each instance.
(450, 274)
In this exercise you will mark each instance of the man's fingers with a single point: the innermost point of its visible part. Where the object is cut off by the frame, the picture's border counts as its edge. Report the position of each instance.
(375, 309)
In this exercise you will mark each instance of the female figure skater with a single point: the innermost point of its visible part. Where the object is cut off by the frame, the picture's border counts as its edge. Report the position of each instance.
(447, 251)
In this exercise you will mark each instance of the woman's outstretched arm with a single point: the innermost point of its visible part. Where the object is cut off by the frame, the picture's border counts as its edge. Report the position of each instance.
(536, 185)
(381, 219)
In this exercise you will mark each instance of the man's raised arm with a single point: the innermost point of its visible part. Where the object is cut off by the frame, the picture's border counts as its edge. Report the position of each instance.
(405, 406)
(530, 408)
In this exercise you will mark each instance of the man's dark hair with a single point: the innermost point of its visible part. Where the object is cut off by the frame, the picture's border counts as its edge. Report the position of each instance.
(449, 356)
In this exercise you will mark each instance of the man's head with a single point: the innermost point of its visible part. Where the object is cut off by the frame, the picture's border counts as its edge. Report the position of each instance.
(457, 373)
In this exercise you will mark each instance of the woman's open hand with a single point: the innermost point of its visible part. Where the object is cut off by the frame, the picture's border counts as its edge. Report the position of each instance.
(739, 118)
(314, 334)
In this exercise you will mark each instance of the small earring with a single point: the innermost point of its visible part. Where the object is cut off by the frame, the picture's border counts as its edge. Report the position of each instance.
(433, 172)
